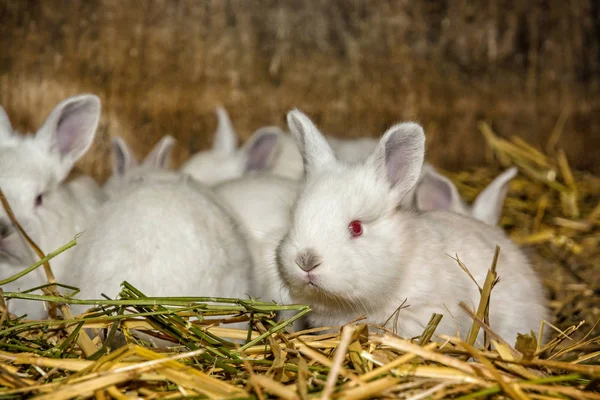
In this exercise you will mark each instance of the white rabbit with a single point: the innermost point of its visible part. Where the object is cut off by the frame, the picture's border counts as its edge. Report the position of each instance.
(434, 191)
(167, 237)
(220, 163)
(353, 251)
(33, 169)
(127, 170)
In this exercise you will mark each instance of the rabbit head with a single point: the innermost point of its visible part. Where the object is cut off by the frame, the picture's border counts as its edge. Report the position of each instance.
(32, 167)
(127, 170)
(343, 226)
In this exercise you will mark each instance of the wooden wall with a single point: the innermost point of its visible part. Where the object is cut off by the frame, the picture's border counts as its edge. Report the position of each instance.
(355, 66)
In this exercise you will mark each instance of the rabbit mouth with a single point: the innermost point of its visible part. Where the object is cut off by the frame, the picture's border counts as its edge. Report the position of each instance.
(310, 279)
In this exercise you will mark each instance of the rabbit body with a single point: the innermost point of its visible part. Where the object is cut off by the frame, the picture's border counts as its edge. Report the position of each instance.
(167, 237)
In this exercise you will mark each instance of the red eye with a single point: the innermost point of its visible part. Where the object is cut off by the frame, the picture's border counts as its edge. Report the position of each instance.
(355, 228)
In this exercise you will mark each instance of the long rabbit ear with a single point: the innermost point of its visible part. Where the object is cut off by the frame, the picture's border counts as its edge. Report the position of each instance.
(123, 158)
(160, 156)
(487, 207)
(316, 152)
(262, 149)
(398, 158)
(226, 139)
(69, 130)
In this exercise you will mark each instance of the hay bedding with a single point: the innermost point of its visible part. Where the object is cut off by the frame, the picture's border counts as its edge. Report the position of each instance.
(552, 211)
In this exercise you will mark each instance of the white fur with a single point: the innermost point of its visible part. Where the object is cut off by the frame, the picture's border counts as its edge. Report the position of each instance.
(401, 254)
(169, 237)
(434, 191)
(262, 204)
(222, 161)
(127, 170)
(33, 165)
(226, 161)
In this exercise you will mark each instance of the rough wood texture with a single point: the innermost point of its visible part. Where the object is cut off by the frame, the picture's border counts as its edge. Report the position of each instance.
(355, 66)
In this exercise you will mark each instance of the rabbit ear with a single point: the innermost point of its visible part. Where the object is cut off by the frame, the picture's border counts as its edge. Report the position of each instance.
(5, 126)
(69, 130)
(398, 158)
(316, 152)
(437, 192)
(123, 158)
(487, 207)
(262, 148)
(226, 139)
(160, 156)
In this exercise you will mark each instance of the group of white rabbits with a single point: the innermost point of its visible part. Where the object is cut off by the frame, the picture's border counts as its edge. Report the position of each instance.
(349, 227)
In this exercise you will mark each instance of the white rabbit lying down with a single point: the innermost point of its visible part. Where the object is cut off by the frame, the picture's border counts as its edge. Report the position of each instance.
(352, 250)
(143, 197)
(127, 170)
(33, 169)
(167, 238)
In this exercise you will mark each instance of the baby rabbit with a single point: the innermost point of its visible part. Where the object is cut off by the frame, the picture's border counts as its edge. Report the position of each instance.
(33, 169)
(127, 170)
(436, 192)
(168, 237)
(353, 251)
(221, 162)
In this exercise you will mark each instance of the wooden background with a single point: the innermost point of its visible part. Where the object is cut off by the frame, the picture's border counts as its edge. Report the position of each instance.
(355, 66)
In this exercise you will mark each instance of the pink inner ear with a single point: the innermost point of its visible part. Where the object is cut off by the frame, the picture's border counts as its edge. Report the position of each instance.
(120, 159)
(260, 152)
(74, 128)
(399, 157)
(433, 194)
